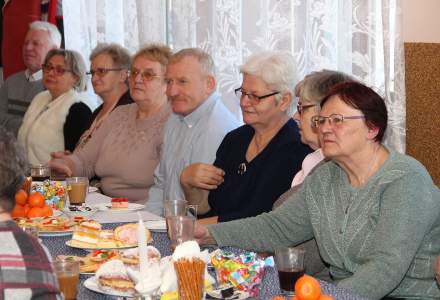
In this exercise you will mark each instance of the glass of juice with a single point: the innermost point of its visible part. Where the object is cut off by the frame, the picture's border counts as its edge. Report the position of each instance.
(77, 188)
(290, 265)
(67, 272)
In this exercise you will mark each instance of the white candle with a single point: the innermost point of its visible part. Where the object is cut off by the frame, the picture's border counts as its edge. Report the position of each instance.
(142, 245)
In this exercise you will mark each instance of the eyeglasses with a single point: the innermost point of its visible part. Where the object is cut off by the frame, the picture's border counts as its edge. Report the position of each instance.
(300, 107)
(334, 120)
(252, 97)
(101, 72)
(145, 75)
(59, 71)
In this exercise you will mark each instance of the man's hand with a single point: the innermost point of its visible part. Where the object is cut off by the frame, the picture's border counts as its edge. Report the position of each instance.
(203, 176)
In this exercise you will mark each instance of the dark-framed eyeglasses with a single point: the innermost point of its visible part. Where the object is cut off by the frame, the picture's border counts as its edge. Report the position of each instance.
(334, 120)
(145, 75)
(252, 97)
(101, 72)
(58, 70)
(301, 107)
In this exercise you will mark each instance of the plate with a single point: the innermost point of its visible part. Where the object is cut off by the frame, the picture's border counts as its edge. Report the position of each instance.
(69, 243)
(108, 207)
(216, 294)
(156, 226)
(92, 284)
(93, 189)
(54, 233)
(82, 211)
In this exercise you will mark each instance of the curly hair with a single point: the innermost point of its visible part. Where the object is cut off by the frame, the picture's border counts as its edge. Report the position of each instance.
(13, 167)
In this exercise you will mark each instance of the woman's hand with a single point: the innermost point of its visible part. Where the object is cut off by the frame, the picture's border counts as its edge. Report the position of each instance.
(202, 235)
(203, 176)
(60, 165)
(437, 269)
(60, 154)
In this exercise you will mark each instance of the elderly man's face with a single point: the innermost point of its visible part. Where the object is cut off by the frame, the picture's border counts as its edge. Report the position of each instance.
(36, 45)
(187, 86)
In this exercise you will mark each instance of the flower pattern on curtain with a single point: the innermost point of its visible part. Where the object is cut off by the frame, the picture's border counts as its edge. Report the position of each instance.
(359, 37)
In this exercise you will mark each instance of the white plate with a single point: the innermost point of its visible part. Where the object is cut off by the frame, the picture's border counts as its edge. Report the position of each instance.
(93, 189)
(92, 284)
(69, 243)
(108, 207)
(237, 295)
(157, 226)
(82, 211)
(54, 233)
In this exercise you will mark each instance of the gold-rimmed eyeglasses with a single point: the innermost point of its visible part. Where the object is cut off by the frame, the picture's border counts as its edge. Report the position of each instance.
(252, 97)
(301, 107)
(334, 120)
(145, 75)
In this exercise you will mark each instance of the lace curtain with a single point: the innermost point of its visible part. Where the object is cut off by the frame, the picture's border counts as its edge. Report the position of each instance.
(359, 37)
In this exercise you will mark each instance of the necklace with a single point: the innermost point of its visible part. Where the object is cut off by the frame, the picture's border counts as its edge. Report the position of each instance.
(363, 179)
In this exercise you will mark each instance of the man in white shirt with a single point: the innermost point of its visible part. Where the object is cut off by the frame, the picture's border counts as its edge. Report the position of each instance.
(197, 126)
(19, 89)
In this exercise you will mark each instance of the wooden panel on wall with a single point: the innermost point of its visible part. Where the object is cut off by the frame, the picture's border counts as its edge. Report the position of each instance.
(422, 78)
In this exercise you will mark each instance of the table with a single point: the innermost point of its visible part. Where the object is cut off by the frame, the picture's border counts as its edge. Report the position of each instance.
(269, 287)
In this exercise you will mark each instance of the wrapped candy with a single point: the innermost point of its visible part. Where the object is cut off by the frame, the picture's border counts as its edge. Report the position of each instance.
(54, 193)
(244, 271)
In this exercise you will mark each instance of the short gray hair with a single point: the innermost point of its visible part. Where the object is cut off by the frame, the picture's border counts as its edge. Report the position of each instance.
(120, 55)
(275, 68)
(13, 167)
(52, 30)
(203, 57)
(315, 86)
(74, 62)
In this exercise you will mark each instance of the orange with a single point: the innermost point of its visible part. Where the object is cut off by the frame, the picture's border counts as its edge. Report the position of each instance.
(47, 211)
(294, 298)
(18, 211)
(278, 298)
(326, 297)
(307, 288)
(35, 212)
(26, 208)
(21, 197)
(36, 200)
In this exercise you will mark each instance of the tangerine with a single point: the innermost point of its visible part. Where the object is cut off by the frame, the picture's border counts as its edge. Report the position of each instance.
(36, 200)
(21, 197)
(18, 211)
(307, 288)
(325, 297)
(278, 298)
(26, 208)
(294, 298)
(47, 211)
(35, 212)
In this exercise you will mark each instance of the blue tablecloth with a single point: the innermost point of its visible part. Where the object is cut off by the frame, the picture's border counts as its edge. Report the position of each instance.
(269, 287)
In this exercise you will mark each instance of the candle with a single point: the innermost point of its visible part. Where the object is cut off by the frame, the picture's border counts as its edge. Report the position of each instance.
(142, 245)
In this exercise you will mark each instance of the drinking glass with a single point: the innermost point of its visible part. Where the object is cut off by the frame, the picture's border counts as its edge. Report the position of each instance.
(67, 272)
(290, 265)
(180, 229)
(40, 172)
(179, 208)
(77, 188)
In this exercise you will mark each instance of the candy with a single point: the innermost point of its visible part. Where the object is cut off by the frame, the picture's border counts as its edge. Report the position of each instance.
(244, 271)
(54, 193)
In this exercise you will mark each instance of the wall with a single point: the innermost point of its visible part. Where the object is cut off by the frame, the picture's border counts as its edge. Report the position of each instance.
(421, 33)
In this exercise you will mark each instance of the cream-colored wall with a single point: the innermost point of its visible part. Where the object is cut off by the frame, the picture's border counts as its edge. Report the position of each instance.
(421, 21)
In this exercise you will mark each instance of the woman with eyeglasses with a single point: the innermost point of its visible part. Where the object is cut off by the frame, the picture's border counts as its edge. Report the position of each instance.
(373, 212)
(310, 92)
(255, 163)
(109, 70)
(56, 118)
(126, 148)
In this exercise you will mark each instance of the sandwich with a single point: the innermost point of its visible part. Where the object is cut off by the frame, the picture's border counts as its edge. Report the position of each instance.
(112, 276)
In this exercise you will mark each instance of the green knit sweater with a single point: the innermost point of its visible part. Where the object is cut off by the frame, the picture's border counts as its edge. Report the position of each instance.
(379, 240)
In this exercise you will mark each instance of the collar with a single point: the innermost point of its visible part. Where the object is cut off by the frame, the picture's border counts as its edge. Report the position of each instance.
(201, 111)
(33, 77)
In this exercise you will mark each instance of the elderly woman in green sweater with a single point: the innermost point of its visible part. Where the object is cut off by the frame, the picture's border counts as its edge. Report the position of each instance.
(373, 212)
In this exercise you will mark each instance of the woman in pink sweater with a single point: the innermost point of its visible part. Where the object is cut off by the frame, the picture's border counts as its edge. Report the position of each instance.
(126, 149)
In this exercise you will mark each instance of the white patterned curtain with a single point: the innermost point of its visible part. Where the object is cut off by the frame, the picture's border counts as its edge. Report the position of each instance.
(359, 37)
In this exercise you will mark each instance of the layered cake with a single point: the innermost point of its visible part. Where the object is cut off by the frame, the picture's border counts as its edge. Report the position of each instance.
(119, 203)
